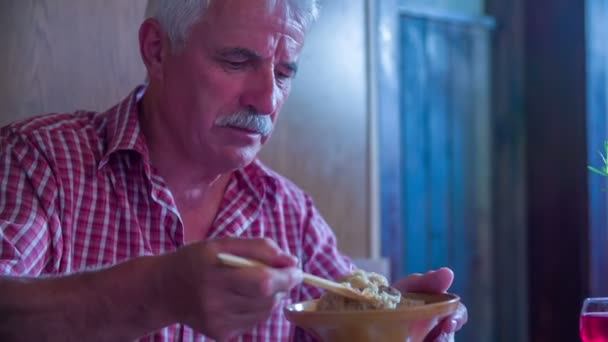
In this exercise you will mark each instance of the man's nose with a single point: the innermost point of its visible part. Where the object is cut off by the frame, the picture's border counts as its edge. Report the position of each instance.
(261, 92)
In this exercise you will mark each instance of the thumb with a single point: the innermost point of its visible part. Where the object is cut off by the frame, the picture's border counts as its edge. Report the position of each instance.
(265, 251)
(431, 282)
(283, 280)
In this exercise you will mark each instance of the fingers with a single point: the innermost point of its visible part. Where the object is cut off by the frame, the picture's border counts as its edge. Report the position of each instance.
(244, 306)
(250, 313)
(257, 282)
(431, 282)
(459, 318)
(440, 338)
(436, 282)
(262, 250)
(281, 276)
(448, 325)
(253, 294)
(229, 299)
(439, 332)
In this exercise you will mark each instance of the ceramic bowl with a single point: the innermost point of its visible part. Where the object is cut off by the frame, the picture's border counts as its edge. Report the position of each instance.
(409, 324)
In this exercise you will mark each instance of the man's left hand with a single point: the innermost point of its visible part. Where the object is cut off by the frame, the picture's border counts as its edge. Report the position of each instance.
(438, 281)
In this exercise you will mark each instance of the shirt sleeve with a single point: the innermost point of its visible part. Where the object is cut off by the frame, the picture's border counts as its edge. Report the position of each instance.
(27, 188)
(321, 255)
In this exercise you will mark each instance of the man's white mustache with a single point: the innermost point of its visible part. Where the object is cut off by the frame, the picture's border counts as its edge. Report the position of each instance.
(259, 123)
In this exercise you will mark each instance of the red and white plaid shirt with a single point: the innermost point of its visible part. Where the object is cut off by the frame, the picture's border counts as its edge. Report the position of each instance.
(77, 191)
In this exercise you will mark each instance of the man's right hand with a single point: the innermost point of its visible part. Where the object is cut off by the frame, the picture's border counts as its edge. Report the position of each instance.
(221, 301)
(144, 294)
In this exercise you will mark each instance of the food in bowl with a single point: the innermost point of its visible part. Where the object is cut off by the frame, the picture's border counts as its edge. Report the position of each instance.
(405, 323)
(372, 285)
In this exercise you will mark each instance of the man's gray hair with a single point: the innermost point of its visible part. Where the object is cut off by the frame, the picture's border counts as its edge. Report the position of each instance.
(176, 17)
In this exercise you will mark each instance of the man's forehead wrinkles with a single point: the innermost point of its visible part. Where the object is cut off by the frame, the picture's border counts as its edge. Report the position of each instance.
(281, 47)
(240, 52)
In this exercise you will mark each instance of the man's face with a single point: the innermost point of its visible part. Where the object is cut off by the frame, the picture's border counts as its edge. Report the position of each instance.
(241, 57)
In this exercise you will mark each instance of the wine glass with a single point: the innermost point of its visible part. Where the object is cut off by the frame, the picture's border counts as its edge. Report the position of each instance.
(594, 320)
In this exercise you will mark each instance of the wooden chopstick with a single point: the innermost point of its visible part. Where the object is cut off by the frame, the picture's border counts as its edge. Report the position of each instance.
(332, 286)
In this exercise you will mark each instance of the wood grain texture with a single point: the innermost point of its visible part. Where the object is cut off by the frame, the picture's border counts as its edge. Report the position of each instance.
(556, 166)
(471, 7)
(386, 90)
(509, 184)
(321, 139)
(414, 145)
(597, 134)
(446, 136)
(63, 55)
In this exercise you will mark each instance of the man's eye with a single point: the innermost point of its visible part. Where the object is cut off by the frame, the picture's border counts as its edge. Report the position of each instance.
(283, 76)
(235, 65)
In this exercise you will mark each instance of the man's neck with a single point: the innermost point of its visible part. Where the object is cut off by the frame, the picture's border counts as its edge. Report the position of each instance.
(187, 179)
(168, 157)
(197, 192)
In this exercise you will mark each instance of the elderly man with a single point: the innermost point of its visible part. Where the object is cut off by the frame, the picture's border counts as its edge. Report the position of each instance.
(110, 223)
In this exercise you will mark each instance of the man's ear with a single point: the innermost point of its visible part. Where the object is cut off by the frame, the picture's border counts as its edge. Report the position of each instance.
(153, 47)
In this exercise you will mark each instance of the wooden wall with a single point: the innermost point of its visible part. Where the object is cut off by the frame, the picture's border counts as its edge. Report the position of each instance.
(509, 186)
(445, 148)
(556, 170)
(471, 7)
(62, 55)
(597, 128)
(498, 250)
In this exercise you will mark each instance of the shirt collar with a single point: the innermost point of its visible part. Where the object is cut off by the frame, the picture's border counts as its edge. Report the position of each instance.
(256, 177)
(123, 131)
(251, 188)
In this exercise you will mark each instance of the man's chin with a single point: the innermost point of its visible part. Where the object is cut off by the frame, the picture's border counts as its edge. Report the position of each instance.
(240, 158)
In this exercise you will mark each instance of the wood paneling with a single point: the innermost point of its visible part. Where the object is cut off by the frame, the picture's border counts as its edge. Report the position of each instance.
(386, 90)
(321, 139)
(62, 55)
(597, 127)
(509, 221)
(446, 142)
(555, 92)
(470, 7)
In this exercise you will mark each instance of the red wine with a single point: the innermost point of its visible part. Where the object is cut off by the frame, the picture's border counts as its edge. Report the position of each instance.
(594, 327)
